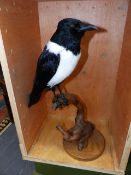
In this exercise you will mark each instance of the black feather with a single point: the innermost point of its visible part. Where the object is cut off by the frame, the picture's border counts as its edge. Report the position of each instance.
(46, 67)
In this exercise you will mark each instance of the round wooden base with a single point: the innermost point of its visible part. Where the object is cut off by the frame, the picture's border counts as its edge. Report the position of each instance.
(96, 146)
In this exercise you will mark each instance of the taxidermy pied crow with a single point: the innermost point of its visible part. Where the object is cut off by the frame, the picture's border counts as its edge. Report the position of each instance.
(59, 57)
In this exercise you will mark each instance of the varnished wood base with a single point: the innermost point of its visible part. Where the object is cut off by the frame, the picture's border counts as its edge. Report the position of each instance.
(95, 148)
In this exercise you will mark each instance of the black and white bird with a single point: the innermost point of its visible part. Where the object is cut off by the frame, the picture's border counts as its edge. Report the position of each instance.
(59, 57)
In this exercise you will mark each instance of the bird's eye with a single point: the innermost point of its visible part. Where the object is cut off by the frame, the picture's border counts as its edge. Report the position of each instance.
(72, 26)
(77, 26)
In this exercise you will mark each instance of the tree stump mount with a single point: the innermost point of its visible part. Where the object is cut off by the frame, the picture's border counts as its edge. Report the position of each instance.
(83, 141)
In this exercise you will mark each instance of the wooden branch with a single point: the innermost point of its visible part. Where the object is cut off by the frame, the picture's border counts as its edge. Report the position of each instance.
(82, 129)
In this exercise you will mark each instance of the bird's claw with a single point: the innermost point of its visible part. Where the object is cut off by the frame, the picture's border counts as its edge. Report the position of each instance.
(60, 101)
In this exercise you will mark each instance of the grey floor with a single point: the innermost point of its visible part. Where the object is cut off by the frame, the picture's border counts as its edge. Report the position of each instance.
(11, 162)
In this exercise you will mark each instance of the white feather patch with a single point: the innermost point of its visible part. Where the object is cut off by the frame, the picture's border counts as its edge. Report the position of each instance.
(54, 48)
(68, 62)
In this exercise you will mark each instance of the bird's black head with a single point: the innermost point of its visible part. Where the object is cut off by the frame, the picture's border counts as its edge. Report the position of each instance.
(69, 33)
(75, 26)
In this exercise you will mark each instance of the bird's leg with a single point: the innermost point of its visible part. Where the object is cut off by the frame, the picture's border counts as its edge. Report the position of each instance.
(63, 97)
(53, 90)
(58, 86)
(57, 101)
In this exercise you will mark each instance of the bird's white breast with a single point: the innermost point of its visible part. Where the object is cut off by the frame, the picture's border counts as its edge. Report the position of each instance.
(68, 62)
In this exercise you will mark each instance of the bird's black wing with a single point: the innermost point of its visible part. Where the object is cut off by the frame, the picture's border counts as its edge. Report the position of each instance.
(46, 68)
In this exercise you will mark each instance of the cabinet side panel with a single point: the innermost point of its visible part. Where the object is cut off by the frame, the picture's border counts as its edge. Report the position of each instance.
(20, 30)
(121, 117)
(5, 69)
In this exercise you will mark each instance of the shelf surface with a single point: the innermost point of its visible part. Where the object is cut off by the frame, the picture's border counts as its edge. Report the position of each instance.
(48, 148)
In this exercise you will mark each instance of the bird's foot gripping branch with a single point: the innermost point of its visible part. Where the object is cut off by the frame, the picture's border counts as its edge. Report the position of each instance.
(82, 141)
(60, 101)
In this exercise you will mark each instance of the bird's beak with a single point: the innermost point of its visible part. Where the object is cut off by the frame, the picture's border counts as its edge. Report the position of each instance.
(87, 27)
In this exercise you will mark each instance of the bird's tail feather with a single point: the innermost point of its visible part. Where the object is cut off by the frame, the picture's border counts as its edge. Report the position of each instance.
(35, 94)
